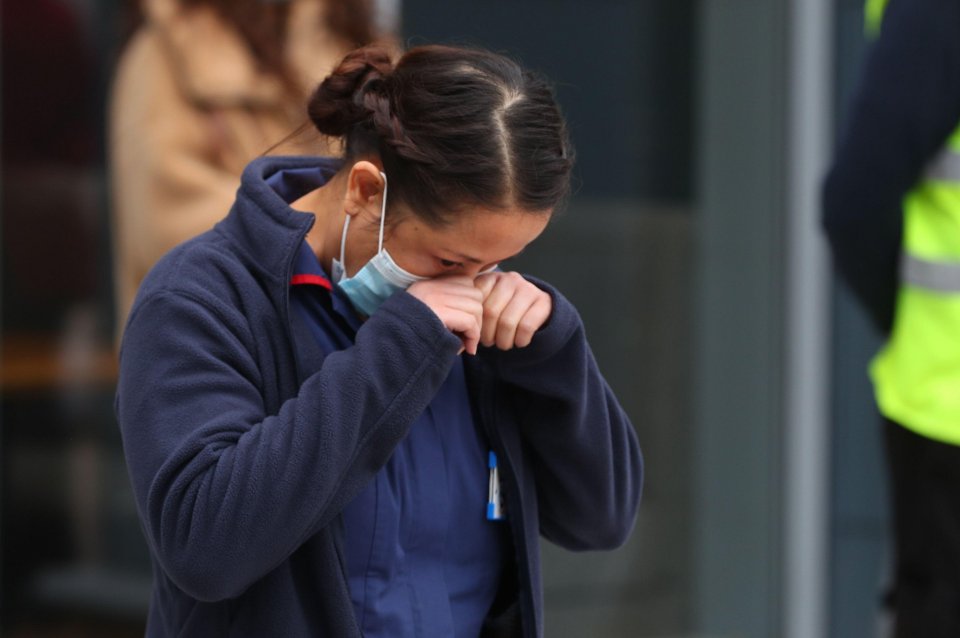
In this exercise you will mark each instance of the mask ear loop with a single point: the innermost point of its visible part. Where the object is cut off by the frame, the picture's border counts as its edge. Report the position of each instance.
(346, 225)
(343, 241)
(383, 211)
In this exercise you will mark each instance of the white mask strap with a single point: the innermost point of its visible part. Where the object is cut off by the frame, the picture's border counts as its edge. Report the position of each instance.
(383, 211)
(343, 240)
(346, 225)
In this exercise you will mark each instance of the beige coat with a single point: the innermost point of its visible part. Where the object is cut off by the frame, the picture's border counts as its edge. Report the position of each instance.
(188, 110)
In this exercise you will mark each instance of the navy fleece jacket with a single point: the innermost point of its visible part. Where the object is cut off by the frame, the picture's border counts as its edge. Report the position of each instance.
(242, 457)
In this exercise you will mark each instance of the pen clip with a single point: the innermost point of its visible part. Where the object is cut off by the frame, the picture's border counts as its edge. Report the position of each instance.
(494, 495)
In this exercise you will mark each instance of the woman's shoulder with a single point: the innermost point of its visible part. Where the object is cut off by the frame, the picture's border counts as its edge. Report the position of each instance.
(209, 269)
(205, 293)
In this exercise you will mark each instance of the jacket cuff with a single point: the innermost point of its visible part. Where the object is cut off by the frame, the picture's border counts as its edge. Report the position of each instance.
(420, 320)
(564, 321)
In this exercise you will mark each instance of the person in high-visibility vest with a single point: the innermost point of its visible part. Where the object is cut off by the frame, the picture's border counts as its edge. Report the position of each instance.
(892, 214)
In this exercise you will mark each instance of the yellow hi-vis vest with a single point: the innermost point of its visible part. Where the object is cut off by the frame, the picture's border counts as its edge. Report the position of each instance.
(873, 16)
(916, 376)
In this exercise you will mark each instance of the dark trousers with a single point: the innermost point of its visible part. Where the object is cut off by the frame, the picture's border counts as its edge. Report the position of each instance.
(925, 497)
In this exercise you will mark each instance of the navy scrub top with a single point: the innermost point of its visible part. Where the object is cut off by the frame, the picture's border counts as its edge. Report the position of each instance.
(422, 558)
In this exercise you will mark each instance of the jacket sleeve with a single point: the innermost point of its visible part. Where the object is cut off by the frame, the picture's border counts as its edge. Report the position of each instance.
(905, 106)
(583, 448)
(227, 489)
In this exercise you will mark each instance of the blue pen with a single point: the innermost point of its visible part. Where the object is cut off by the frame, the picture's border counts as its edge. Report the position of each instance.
(494, 497)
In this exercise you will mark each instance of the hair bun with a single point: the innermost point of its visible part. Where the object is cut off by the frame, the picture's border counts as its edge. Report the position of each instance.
(337, 105)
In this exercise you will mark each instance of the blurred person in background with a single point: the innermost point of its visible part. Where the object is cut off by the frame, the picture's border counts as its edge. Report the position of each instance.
(201, 88)
(347, 419)
(892, 213)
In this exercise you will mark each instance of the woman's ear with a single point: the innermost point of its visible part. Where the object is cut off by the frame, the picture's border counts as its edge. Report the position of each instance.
(365, 187)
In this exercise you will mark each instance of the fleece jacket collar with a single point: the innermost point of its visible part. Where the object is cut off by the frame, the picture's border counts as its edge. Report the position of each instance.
(263, 225)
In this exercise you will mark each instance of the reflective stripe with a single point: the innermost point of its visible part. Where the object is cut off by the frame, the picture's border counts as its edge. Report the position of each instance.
(945, 167)
(939, 276)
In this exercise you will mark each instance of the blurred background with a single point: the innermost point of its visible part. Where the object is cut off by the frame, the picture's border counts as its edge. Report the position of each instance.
(691, 247)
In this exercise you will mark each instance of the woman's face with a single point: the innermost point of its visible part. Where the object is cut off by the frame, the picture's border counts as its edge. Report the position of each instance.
(476, 240)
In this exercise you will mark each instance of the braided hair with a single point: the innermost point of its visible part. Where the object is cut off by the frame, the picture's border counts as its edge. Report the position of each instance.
(453, 127)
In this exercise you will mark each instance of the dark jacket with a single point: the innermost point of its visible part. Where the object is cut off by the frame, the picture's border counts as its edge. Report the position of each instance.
(906, 104)
(242, 457)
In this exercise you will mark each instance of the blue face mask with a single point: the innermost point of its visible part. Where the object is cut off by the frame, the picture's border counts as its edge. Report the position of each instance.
(379, 278)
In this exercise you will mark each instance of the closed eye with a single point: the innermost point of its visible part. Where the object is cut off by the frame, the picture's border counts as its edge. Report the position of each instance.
(446, 263)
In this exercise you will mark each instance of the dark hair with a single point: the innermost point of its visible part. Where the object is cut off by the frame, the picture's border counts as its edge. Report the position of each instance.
(452, 126)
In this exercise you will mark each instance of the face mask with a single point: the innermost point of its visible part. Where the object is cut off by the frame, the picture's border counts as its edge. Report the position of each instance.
(379, 278)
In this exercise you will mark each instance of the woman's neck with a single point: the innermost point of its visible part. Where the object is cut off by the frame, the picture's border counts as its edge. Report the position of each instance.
(326, 203)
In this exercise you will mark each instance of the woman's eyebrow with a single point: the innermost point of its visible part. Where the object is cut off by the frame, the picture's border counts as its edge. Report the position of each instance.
(474, 260)
(462, 257)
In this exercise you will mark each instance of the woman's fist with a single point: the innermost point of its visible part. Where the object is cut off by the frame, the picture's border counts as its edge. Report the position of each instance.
(513, 309)
(458, 304)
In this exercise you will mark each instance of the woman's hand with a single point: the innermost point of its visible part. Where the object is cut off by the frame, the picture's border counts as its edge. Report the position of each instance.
(458, 304)
(513, 309)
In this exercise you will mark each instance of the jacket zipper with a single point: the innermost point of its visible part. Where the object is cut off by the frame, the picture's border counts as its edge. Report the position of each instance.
(514, 511)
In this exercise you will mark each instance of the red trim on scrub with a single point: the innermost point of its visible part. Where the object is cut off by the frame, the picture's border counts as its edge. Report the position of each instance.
(314, 280)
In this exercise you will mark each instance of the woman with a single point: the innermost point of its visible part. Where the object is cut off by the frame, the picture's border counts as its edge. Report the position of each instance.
(202, 88)
(318, 409)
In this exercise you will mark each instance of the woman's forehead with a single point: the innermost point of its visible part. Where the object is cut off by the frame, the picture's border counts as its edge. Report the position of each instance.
(477, 234)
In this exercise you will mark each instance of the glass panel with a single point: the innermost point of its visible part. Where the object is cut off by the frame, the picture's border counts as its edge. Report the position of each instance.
(624, 252)
(860, 531)
(629, 251)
